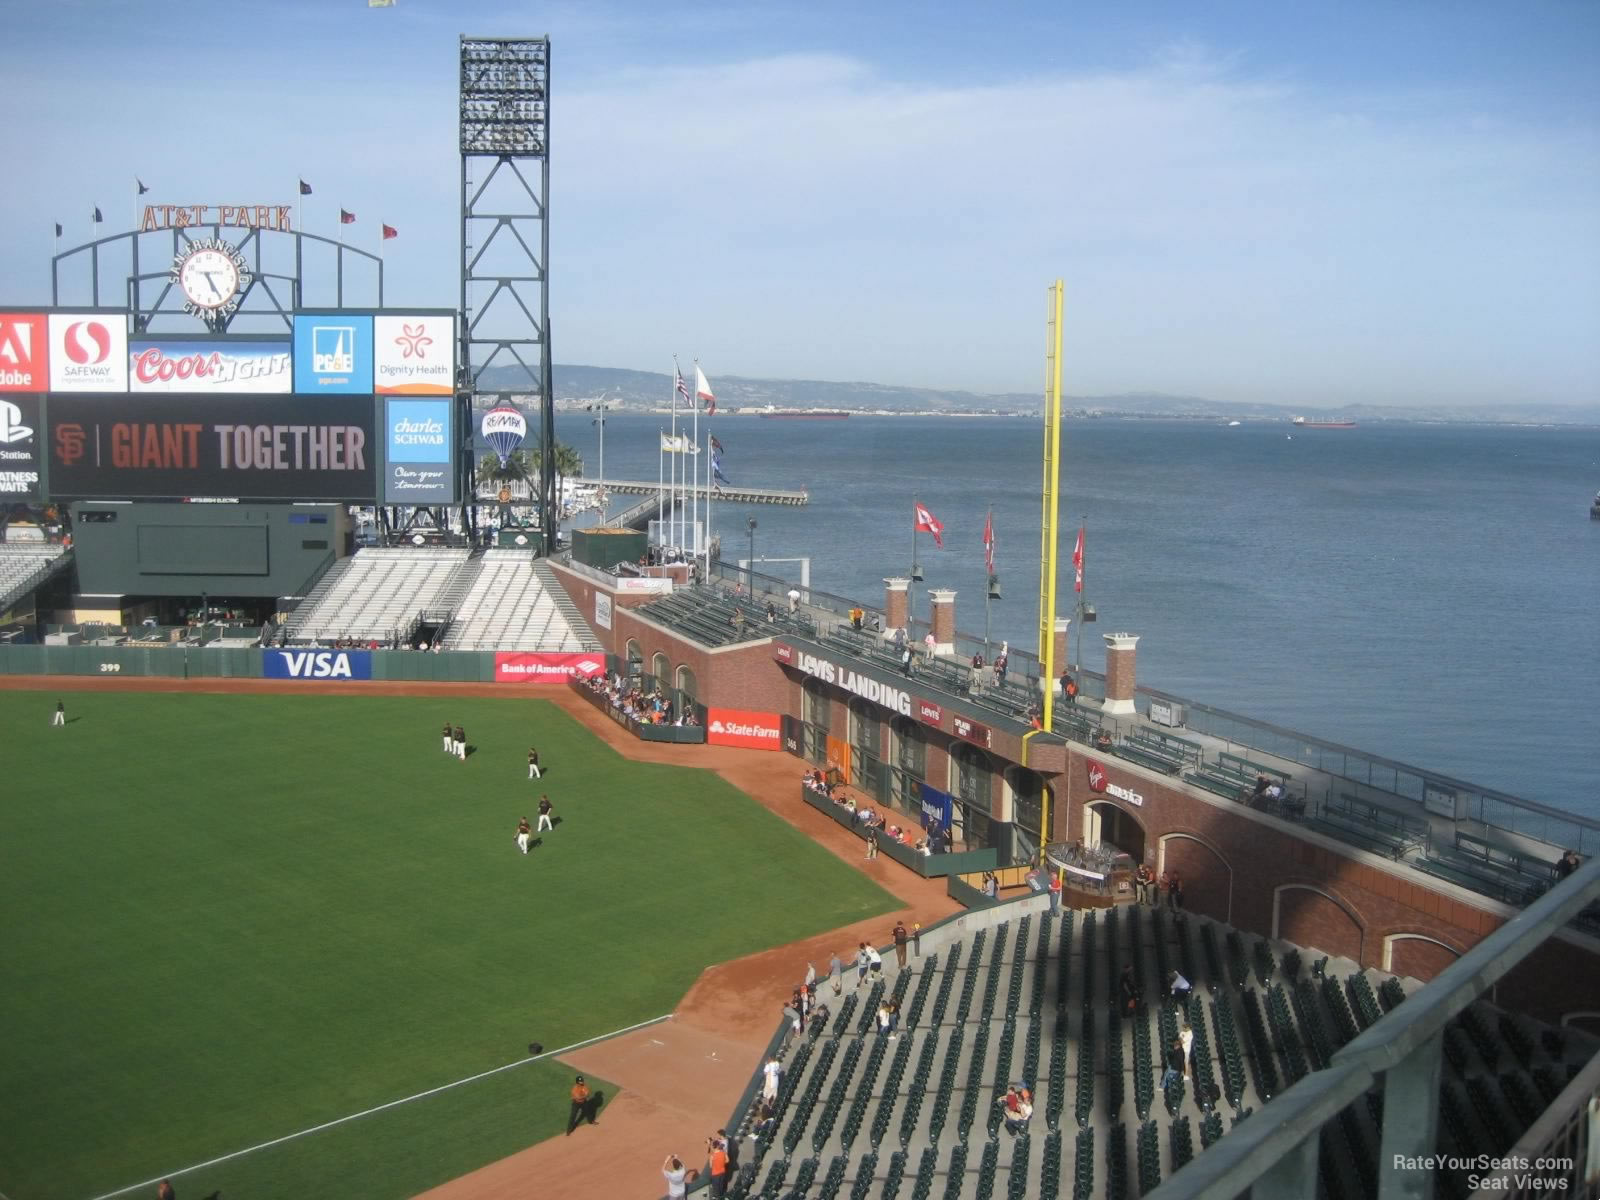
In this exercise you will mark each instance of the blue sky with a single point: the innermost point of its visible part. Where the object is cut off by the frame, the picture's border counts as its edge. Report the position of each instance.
(1285, 202)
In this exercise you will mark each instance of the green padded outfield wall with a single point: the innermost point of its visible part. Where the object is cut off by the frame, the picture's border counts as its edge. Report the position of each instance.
(605, 548)
(156, 549)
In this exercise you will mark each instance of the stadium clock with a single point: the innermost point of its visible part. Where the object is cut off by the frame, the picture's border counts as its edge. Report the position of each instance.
(213, 276)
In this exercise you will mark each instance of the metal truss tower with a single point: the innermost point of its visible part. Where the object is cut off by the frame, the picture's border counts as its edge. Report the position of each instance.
(505, 248)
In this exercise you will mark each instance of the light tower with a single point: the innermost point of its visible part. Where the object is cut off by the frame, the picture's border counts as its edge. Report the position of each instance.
(505, 247)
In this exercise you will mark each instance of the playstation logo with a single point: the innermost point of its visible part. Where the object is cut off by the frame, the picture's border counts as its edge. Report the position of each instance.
(333, 349)
(11, 428)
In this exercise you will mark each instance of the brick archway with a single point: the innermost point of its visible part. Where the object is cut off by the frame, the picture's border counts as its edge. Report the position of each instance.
(1315, 919)
(1107, 821)
(1206, 873)
(1418, 955)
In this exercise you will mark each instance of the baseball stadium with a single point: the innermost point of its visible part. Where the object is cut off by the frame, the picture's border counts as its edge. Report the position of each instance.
(290, 684)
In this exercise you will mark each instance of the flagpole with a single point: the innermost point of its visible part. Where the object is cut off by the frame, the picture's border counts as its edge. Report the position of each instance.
(694, 460)
(988, 572)
(911, 590)
(673, 516)
(1083, 520)
(661, 484)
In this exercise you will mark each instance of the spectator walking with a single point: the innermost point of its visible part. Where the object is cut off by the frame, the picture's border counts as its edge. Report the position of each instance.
(1069, 688)
(861, 964)
(872, 843)
(1186, 1037)
(905, 661)
(794, 601)
(874, 961)
(836, 970)
(1181, 988)
(916, 938)
(811, 978)
(901, 937)
(1128, 989)
(1174, 1061)
(771, 1075)
(545, 809)
(1055, 891)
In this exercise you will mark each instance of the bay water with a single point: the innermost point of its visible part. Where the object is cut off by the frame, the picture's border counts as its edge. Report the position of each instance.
(1423, 592)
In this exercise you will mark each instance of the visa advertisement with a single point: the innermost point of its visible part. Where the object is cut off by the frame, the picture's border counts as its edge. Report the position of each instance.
(317, 664)
(414, 355)
(332, 353)
(229, 366)
(417, 460)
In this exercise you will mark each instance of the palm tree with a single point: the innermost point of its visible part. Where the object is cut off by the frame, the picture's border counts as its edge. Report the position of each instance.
(525, 463)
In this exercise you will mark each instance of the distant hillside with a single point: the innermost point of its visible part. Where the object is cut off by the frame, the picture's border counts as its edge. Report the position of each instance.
(643, 390)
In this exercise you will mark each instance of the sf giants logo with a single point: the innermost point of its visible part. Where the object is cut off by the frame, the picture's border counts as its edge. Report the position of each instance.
(70, 440)
(21, 349)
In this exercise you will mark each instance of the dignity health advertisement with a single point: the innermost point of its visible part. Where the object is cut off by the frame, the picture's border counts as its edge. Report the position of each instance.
(417, 461)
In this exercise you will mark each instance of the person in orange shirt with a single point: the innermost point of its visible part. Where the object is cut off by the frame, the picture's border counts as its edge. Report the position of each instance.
(580, 1105)
(719, 1168)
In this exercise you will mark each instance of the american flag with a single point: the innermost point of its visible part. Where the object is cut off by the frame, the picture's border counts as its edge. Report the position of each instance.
(683, 388)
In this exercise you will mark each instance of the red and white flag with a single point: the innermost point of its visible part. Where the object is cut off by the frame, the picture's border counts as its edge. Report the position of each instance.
(928, 523)
(988, 541)
(702, 390)
(1077, 561)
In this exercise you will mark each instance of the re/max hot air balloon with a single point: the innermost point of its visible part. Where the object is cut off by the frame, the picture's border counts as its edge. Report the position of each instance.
(504, 428)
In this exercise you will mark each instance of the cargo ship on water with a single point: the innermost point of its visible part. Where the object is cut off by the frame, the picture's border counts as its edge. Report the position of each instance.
(1303, 423)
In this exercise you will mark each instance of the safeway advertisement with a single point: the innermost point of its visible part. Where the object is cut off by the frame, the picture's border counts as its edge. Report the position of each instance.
(738, 727)
(514, 667)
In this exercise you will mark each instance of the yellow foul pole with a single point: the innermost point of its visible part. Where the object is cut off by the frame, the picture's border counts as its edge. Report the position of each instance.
(1048, 537)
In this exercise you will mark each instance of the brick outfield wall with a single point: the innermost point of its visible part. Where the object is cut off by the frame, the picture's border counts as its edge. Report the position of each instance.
(1268, 881)
(1235, 867)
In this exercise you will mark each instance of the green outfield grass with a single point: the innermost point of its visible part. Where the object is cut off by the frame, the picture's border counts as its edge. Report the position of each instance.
(224, 919)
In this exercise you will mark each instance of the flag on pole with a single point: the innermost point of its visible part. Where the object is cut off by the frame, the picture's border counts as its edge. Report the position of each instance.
(389, 231)
(716, 446)
(683, 388)
(58, 228)
(928, 523)
(346, 218)
(305, 188)
(380, 3)
(702, 391)
(97, 217)
(140, 182)
(716, 469)
(675, 443)
(988, 541)
(1077, 561)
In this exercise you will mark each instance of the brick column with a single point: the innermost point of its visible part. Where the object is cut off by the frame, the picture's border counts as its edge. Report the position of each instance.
(1060, 639)
(944, 620)
(1120, 674)
(896, 593)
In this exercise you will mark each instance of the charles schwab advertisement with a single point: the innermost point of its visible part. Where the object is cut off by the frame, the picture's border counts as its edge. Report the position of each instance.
(250, 447)
(417, 456)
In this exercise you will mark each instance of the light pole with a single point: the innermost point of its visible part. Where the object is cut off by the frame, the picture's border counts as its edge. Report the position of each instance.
(600, 420)
(750, 527)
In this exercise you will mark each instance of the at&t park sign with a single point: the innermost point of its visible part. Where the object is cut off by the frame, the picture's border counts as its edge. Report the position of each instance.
(274, 217)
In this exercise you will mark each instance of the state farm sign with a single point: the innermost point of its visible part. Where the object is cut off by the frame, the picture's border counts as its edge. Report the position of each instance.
(1099, 781)
(739, 727)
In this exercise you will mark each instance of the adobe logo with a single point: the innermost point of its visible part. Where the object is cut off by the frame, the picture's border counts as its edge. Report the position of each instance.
(21, 352)
(87, 343)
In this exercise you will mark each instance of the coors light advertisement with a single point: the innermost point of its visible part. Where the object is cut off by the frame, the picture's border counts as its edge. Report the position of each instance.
(232, 366)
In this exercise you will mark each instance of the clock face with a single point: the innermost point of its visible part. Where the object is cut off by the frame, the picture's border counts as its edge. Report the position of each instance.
(209, 278)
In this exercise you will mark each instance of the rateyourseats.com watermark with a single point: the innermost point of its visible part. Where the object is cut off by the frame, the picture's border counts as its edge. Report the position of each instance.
(1487, 1171)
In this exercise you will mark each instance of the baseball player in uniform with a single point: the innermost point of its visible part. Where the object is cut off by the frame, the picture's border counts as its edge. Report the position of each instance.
(522, 834)
(545, 808)
(533, 763)
(449, 739)
(461, 743)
